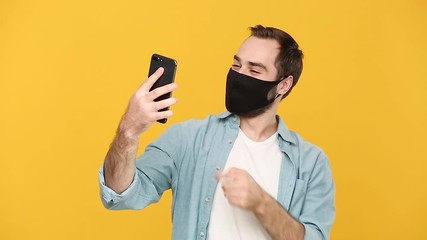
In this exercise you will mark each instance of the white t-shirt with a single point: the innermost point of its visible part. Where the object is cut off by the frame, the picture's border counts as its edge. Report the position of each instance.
(262, 161)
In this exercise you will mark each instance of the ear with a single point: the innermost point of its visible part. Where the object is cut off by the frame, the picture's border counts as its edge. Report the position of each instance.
(285, 84)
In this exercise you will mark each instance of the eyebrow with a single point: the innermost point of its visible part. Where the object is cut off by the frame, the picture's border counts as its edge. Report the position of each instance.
(253, 64)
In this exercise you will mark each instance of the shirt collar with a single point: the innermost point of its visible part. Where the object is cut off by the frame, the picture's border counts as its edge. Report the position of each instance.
(282, 129)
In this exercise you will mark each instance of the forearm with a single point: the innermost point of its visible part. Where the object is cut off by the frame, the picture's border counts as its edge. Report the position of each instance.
(119, 165)
(277, 221)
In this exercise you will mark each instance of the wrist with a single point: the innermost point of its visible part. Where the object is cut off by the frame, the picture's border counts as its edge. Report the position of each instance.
(126, 130)
(261, 207)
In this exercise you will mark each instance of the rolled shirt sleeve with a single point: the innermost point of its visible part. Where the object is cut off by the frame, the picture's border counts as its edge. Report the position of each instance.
(140, 193)
(110, 198)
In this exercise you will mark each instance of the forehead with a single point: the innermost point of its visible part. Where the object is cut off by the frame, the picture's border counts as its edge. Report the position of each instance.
(259, 50)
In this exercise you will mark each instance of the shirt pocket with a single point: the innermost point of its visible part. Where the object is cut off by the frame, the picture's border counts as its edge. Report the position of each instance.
(298, 198)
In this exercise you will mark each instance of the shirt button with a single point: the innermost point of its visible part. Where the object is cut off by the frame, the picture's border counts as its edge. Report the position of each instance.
(202, 234)
(208, 199)
(230, 141)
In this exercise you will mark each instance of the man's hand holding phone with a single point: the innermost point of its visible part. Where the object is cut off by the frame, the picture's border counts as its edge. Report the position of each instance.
(150, 103)
(143, 110)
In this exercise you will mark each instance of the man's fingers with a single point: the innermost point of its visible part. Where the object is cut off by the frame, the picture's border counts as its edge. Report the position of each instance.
(230, 176)
(162, 90)
(233, 173)
(163, 114)
(219, 174)
(149, 82)
(165, 103)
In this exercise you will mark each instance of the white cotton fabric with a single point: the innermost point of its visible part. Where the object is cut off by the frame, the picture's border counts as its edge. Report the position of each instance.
(262, 161)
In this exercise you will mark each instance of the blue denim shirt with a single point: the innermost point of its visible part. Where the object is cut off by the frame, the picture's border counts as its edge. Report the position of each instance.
(188, 155)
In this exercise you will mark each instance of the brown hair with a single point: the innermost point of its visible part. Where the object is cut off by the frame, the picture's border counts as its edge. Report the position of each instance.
(289, 59)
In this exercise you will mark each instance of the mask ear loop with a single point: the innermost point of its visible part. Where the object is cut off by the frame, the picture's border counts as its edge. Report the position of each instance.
(280, 80)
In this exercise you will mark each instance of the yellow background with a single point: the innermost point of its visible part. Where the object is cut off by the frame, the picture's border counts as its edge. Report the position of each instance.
(68, 68)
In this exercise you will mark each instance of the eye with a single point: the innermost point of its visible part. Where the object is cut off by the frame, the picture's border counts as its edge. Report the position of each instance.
(255, 71)
(235, 67)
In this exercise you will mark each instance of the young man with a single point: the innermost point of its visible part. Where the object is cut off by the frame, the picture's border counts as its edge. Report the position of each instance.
(238, 175)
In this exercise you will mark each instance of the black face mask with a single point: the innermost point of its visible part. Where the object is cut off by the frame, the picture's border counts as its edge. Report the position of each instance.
(245, 94)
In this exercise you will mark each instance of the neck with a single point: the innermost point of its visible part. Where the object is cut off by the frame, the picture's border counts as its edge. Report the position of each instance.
(260, 127)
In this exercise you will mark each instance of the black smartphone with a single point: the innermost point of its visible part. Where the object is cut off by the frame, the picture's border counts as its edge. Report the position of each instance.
(168, 76)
